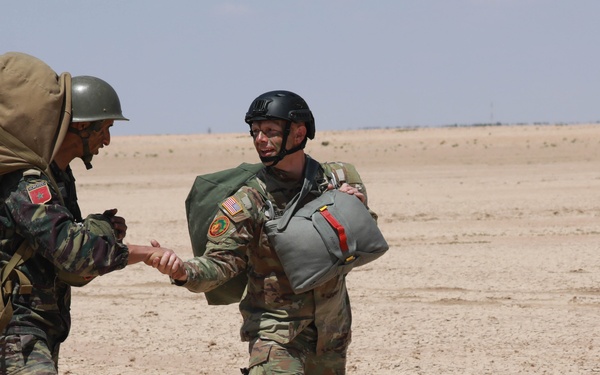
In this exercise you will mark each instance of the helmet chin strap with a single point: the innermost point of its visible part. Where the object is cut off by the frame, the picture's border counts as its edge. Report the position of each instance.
(283, 152)
(84, 134)
(87, 155)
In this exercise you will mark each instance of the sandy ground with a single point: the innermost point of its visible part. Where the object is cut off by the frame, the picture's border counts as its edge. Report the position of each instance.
(493, 265)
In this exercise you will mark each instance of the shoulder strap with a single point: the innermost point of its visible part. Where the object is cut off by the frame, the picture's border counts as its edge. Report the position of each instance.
(7, 274)
(309, 176)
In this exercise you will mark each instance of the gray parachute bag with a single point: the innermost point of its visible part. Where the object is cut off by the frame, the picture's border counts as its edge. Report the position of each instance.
(324, 238)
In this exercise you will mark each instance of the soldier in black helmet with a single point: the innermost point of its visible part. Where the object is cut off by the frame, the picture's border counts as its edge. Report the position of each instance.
(46, 246)
(291, 333)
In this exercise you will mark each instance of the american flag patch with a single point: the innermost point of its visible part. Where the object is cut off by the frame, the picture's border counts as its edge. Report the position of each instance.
(232, 205)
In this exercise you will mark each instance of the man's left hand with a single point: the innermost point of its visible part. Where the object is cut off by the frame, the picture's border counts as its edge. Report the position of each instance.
(348, 189)
(118, 223)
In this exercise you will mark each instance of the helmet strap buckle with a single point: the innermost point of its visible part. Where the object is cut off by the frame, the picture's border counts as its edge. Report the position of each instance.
(84, 134)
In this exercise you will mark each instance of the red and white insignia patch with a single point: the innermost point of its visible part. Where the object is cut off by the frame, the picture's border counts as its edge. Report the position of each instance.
(39, 193)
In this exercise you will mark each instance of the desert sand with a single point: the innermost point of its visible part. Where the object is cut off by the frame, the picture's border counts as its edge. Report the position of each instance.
(493, 266)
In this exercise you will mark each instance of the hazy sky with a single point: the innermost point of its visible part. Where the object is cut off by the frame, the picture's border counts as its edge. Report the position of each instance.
(190, 66)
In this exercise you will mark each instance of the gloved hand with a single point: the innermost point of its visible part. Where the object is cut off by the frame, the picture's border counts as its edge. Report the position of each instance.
(117, 222)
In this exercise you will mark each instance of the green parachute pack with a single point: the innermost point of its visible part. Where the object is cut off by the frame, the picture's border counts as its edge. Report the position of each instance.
(201, 205)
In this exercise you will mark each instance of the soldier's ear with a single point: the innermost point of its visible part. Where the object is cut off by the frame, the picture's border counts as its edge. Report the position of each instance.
(80, 125)
(300, 133)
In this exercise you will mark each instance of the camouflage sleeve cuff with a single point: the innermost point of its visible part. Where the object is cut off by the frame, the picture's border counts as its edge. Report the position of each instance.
(124, 257)
(178, 282)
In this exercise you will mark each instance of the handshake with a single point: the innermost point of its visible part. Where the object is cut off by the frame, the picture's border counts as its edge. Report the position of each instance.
(163, 259)
(166, 262)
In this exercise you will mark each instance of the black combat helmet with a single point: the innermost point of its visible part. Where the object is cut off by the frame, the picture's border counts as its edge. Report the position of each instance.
(282, 105)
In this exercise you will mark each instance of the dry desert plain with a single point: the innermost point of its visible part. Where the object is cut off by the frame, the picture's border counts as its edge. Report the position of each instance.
(493, 267)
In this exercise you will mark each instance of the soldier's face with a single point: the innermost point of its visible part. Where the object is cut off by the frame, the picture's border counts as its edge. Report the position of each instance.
(268, 136)
(100, 137)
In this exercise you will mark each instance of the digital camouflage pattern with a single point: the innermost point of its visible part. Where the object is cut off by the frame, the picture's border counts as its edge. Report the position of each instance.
(270, 309)
(297, 357)
(60, 243)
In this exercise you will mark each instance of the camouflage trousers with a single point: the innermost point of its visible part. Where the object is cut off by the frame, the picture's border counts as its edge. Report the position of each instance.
(296, 358)
(26, 354)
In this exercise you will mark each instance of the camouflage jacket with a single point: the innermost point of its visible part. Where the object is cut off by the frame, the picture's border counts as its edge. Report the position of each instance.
(270, 309)
(31, 210)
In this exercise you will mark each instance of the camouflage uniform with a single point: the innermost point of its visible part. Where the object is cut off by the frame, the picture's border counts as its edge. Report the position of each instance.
(61, 242)
(286, 330)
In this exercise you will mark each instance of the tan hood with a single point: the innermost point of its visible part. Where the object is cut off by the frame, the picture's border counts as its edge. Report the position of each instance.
(35, 112)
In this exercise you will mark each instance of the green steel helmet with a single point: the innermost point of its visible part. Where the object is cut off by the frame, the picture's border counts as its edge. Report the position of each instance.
(283, 105)
(93, 99)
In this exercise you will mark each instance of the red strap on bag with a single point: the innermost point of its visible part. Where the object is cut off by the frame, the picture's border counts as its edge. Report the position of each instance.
(339, 228)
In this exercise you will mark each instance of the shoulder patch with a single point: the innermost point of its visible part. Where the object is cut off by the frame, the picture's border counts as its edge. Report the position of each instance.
(219, 226)
(341, 172)
(235, 207)
(341, 176)
(231, 205)
(39, 192)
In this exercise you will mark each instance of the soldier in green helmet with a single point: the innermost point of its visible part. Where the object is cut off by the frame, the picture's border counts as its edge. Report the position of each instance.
(287, 332)
(46, 246)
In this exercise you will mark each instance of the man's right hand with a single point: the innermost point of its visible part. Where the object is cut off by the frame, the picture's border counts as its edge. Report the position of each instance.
(168, 263)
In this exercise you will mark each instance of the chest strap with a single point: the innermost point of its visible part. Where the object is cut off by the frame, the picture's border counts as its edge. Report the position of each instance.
(7, 277)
